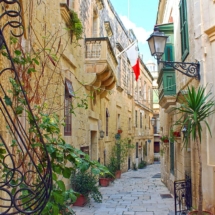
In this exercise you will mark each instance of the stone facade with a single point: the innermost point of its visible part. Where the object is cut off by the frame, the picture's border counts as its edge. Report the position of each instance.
(91, 67)
(201, 22)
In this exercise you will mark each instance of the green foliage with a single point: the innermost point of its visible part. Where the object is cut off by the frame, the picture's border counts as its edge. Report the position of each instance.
(194, 111)
(164, 138)
(75, 26)
(142, 165)
(120, 152)
(64, 158)
(86, 184)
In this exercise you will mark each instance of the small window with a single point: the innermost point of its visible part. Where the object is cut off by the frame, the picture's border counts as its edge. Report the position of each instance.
(129, 124)
(118, 122)
(141, 120)
(69, 93)
(107, 116)
(136, 118)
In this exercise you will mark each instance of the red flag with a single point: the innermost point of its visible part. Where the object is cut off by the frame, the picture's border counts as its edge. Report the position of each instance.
(133, 57)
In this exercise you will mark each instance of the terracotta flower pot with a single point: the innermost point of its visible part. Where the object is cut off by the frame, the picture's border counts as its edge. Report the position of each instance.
(80, 201)
(176, 133)
(104, 182)
(195, 212)
(118, 174)
(166, 141)
(119, 131)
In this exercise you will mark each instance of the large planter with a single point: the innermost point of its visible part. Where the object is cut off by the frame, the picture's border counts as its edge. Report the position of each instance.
(118, 174)
(80, 201)
(196, 212)
(104, 182)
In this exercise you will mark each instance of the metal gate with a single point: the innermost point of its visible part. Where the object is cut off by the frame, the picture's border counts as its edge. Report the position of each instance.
(183, 196)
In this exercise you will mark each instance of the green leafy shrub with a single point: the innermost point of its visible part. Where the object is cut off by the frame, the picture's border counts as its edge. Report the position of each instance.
(142, 165)
(85, 183)
(75, 26)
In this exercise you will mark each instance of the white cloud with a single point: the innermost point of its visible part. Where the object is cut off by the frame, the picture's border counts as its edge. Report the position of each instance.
(141, 34)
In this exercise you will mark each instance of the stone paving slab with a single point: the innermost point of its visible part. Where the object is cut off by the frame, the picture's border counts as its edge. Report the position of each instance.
(136, 193)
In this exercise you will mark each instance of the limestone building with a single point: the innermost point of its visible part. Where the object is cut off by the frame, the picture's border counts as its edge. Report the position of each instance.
(87, 74)
(190, 26)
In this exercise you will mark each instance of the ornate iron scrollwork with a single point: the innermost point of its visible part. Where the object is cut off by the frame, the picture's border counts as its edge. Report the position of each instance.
(183, 196)
(188, 69)
(25, 171)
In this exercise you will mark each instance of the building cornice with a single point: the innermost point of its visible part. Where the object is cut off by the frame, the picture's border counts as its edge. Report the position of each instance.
(211, 33)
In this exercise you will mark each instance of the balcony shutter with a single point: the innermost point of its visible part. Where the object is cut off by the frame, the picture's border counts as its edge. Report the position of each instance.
(184, 29)
(169, 52)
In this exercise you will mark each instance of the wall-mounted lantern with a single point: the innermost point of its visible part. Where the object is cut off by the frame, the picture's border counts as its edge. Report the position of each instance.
(102, 134)
(157, 43)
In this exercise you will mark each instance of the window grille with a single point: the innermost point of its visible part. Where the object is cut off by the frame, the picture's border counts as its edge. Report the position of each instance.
(69, 93)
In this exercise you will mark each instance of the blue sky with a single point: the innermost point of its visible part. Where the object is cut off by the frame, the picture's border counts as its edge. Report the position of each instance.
(142, 17)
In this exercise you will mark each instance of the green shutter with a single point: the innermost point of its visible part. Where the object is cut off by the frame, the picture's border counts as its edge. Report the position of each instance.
(168, 53)
(172, 159)
(184, 29)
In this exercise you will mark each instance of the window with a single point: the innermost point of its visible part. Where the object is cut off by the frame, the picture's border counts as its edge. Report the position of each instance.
(95, 24)
(129, 124)
(119, 71)
(184, 29)
(136, 118)
(141, 120)
(172, 158)
(69, 93)
(118, 122)
(136, 150)
(107, 115)
(144, 91)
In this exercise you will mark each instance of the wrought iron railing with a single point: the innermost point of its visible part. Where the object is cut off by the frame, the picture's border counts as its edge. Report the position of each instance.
(25, 171)
(183, 196)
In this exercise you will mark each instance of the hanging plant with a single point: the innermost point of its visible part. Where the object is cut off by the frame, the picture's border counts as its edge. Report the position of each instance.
(75, 26)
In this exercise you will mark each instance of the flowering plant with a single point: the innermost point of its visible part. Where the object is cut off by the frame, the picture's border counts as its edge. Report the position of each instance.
(164, 139)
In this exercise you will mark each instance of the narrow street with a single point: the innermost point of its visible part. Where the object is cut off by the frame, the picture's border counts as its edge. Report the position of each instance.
(136, 193)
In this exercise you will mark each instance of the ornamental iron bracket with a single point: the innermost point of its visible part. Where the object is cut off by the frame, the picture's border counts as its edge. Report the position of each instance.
(25, 170)
(188, 69)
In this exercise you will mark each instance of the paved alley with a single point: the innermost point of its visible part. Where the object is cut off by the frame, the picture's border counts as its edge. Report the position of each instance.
(136, 193)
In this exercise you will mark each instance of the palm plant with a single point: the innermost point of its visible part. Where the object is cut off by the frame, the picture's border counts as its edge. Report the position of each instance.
(198, 106)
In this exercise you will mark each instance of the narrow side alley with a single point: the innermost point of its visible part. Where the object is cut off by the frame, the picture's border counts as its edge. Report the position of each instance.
(136, 193)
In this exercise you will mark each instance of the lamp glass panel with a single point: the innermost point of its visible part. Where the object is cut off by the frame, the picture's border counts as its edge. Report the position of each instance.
(151, 45)
(160, 43)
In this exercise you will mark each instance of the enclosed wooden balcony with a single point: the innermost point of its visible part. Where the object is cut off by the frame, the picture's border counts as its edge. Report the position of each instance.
(100, 65)
(167, 89)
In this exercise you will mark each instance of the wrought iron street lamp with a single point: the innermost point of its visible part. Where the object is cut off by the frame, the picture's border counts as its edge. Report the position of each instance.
(157, 43)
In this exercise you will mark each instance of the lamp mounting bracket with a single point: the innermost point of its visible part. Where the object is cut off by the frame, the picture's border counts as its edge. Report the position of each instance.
(188, 69)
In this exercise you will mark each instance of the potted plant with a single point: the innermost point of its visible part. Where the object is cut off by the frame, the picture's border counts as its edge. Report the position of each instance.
(119, 130)
(164, 139)
(104, 180)
(198, 106)
(176, 133)
(85, 183)
(119, 154)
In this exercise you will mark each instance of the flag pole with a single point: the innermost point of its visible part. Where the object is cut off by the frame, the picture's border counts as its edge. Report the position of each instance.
(126, 48)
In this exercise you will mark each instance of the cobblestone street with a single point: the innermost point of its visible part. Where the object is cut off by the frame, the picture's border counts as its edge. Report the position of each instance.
(136, 193)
